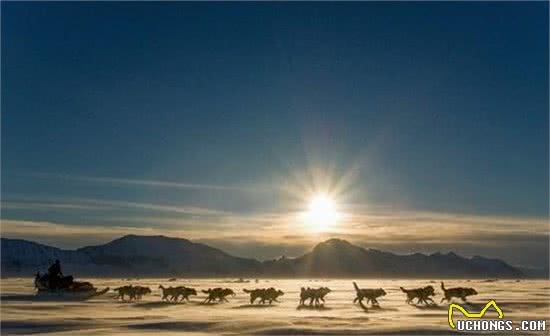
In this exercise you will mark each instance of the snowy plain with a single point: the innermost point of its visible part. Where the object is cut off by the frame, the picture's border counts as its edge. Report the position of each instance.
(23, 314)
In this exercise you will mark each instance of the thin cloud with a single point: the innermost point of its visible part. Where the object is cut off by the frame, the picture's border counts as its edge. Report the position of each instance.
(95, 204)
(145, 183)
(10, 205)
(276, 229)
(66, 235)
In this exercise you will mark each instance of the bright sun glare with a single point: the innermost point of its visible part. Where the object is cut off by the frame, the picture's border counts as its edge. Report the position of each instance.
(321, 213)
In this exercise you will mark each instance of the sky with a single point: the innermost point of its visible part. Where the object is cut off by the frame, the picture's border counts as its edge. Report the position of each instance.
(425, 123)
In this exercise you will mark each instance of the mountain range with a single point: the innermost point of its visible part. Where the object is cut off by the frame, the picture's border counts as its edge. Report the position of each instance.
(157, 256)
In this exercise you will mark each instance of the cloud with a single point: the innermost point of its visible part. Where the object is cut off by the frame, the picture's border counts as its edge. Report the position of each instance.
(9, 205)
(95, 204)
(144, 182)
(66, 235)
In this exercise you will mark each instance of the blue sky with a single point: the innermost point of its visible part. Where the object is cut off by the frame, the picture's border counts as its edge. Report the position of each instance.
(196, 119)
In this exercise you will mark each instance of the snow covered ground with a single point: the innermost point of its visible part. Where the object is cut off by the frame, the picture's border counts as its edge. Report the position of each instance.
(21, 314)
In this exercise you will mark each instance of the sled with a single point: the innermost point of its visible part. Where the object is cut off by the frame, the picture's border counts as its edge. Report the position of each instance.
(69, 295)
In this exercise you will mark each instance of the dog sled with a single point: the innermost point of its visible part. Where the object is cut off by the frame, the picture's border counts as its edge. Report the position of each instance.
(66, 289)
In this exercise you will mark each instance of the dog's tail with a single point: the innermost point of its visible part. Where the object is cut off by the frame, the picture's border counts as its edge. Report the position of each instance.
(356, 287)
(403, 290)
(443, 286)
(206, 291)
(161, 287)
(247, 290)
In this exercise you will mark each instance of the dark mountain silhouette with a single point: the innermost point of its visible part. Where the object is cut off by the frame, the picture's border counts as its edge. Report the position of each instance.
(22, 255)
(335, 258)
(339, 258)
(152, 255)
(164, 256)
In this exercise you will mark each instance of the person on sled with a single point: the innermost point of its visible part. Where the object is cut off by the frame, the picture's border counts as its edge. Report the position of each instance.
(55, 277)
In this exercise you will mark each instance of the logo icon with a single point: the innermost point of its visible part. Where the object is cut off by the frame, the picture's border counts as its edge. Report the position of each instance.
(468, 314)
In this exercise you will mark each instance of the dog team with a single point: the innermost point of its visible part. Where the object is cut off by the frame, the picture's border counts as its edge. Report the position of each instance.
(316, 296)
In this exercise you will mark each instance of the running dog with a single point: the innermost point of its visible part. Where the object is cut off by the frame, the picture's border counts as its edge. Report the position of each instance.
(133, 292)
(217, 294)
(137, 292)
(421, 294)
(168, 293)
(314, 295)
(369, 294)
(265, 294)
(122, 291)
(458, 292)
(184, 292)
(174, 293)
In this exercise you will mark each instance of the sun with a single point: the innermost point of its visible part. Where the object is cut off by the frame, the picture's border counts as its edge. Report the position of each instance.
(321, 213)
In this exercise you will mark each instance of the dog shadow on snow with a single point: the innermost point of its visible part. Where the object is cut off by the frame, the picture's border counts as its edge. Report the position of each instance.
(253, 306)
(313, 307)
